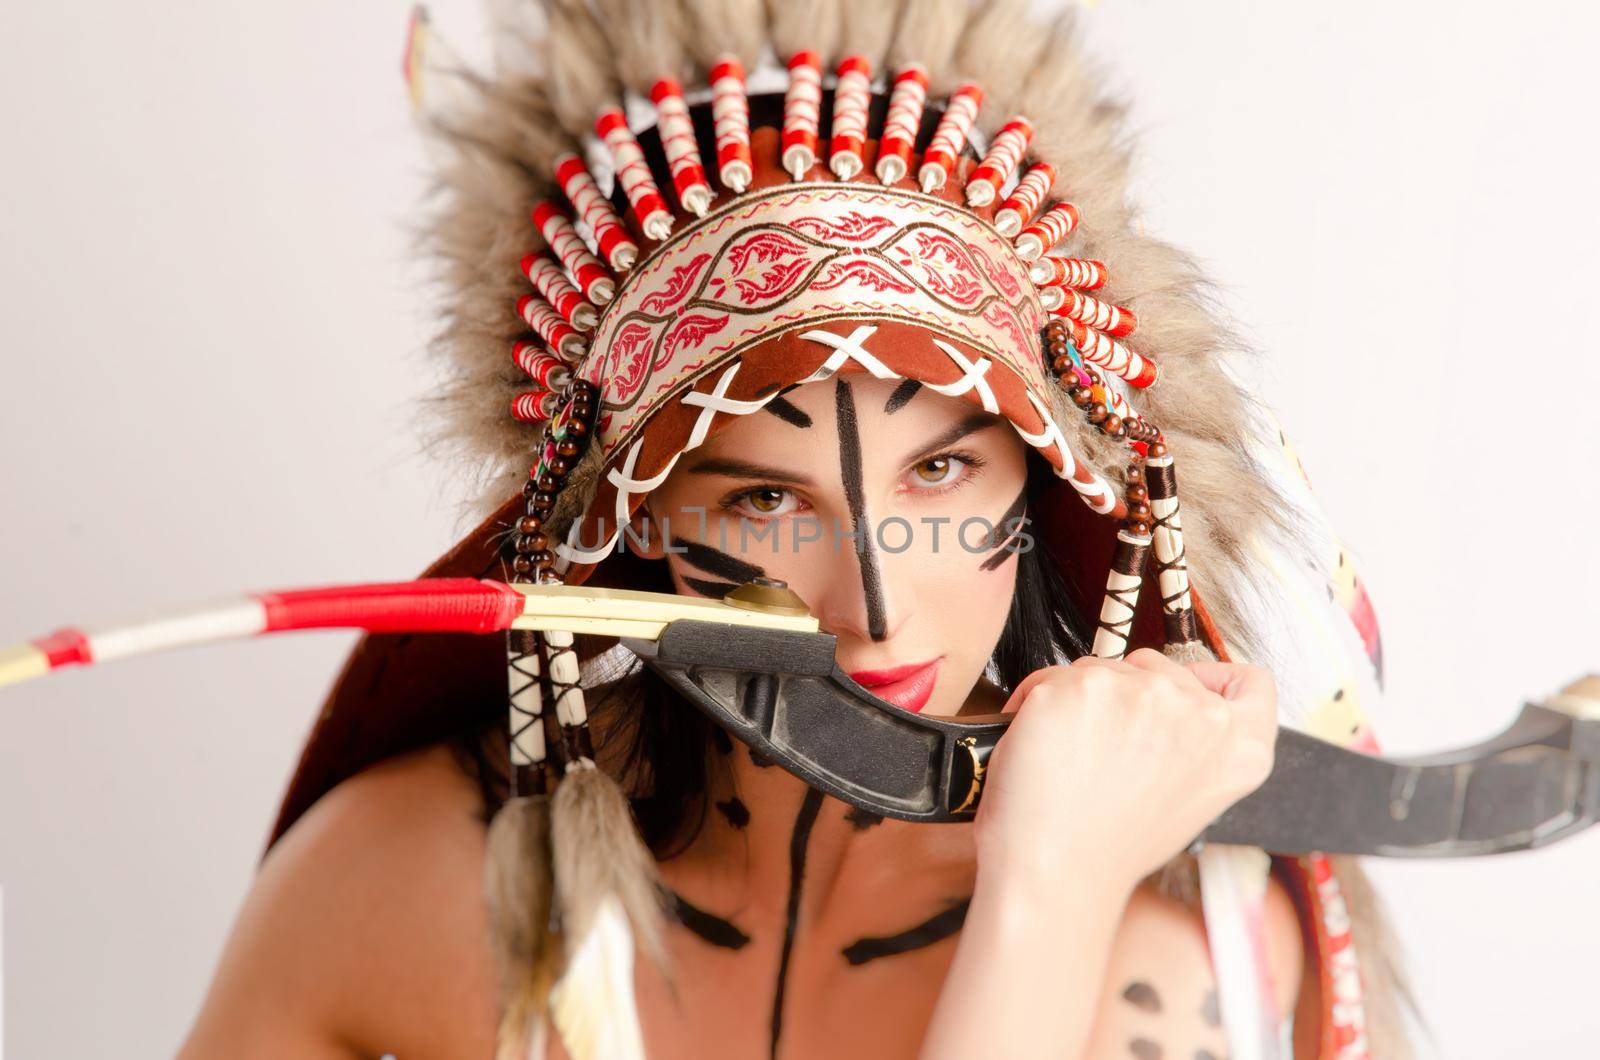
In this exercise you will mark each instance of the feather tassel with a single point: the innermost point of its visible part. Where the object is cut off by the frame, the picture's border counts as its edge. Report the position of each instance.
(610, 900)
(518, 888)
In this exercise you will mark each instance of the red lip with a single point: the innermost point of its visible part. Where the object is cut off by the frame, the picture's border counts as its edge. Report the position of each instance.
(907, 687)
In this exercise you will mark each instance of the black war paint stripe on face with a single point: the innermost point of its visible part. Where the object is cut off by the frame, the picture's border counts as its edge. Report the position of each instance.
(850, 473)
(1001, 535)
(934, 929)
(708, 926)
(715, 590)
(788, 412)
(799, 840)
(715, 561)
(903, 393)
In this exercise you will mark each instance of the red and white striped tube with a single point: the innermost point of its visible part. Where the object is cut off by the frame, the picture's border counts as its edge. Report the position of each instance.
(553, 285)
(549, 371)
(1025, 199)
(730, 115)
(535, 406)
(610, 234)
(906, 102)
(633, 173)
(1114, 357)
(802, 113)
(1088, 310)
(1047, 231)
(583, 268)
(851, 98)
(1001, 160)
(683, 151)
(551, 327)
(1084, 274)
(433, 605)
(939, 160)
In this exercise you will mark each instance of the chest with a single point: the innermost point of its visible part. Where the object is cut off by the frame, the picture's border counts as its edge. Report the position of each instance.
(819, 990)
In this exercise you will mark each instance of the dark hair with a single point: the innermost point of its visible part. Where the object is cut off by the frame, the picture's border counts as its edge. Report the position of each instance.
(668, 747)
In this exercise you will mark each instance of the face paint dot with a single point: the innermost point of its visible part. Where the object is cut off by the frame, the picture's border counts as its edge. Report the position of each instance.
(1142, 996)
(1145, 1049)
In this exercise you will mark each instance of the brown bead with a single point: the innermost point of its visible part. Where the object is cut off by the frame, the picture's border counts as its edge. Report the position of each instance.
(543, 501)
(560, 466)
(1111, 424)
(1060, 363)
(1135, 474)
(1098, 414)
(1136, 527)
(522, 564)
(577, 428)
(530, 524)
(1157, 449)
(542, 558)
(1137, 493)
(1138, 510)
(568, 448)
(1082, 396)
(528, 490)
(548, 483)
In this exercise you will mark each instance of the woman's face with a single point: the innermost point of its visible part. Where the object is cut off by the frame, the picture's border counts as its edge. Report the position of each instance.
(890, 509)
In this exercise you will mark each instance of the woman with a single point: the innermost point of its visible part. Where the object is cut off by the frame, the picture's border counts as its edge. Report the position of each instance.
(821, 353)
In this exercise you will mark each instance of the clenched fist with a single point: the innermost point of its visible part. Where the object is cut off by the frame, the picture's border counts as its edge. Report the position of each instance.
(1114, 766)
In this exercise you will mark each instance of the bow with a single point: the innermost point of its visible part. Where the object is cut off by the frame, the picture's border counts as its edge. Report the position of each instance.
(778, 687)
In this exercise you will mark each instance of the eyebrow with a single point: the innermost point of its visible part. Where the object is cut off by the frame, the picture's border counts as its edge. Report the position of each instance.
(975, 422)
(746, 469)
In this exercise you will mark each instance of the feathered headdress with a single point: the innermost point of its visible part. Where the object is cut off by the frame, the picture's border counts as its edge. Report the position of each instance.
(656, 216)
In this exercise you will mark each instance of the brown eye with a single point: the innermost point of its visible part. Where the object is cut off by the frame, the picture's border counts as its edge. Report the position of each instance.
(765, 501)
(936, 470)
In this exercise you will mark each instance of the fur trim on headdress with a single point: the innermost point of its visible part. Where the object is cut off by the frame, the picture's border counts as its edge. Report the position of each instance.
(719, 28)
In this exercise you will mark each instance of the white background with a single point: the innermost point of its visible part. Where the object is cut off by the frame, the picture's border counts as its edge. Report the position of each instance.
(210, 339)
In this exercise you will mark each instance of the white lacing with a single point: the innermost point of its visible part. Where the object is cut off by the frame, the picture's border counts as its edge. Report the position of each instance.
(852, 347)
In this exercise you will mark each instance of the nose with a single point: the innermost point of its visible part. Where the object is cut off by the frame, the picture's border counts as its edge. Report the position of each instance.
(861, 596)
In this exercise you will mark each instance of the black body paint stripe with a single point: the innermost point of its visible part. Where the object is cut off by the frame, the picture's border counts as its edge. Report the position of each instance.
(715, 561)
(934, 929)
(734, 809)
(850, 472)
(788, 412)
(708, 926)
(798, 841)
(903, 393)
(862, 819)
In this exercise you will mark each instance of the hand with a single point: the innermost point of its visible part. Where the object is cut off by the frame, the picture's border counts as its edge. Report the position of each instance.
(1114, 766)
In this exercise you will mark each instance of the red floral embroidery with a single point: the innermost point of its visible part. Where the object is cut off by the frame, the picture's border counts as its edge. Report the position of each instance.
(943, 265)
(676, 288)
(863, 272)
(629, 358)
(853, 227)
(766, 265)
(689, 330)
(1001, 317)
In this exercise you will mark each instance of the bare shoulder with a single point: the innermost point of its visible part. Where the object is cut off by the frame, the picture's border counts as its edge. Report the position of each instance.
(1160, 997)
(365, 930)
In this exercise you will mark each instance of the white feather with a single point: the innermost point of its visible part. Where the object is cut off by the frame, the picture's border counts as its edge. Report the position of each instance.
(592, 1005)
(1233, 884)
